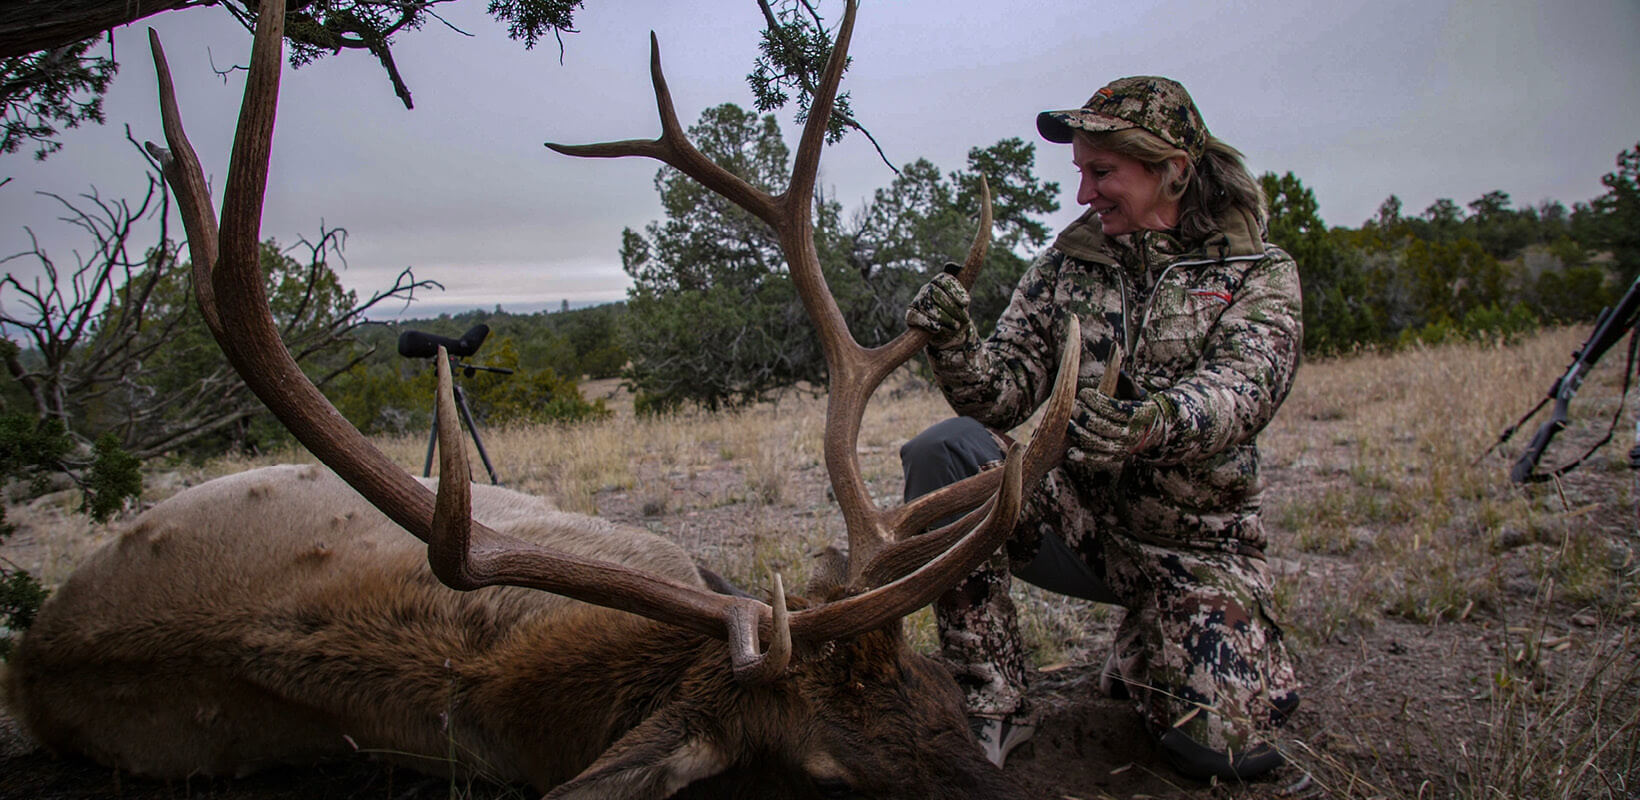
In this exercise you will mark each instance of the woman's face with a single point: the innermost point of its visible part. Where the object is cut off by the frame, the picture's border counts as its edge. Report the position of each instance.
(1126, 196)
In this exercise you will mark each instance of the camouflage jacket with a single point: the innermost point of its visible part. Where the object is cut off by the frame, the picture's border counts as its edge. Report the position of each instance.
(1214, 329)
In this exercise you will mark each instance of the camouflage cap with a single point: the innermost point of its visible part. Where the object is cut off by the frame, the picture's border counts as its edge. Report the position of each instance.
(1157, 105)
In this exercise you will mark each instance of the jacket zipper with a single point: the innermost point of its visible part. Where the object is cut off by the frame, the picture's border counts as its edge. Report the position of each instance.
(1128, 333)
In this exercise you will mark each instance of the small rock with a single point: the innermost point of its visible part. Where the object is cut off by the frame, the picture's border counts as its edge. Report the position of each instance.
(1510, 538)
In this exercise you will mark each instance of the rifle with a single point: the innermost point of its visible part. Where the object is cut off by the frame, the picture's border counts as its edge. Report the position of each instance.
(1609, 328)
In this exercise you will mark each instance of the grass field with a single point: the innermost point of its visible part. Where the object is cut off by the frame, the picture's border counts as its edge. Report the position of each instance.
(1459, 636)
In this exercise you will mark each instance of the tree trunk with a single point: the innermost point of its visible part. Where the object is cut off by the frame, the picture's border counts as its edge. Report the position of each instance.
(27, 26)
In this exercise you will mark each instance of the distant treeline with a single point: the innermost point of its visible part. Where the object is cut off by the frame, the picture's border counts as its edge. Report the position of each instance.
(1484, 269)
(1478, 270)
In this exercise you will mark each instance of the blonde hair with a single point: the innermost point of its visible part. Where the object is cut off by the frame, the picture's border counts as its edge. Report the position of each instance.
(1205, 189)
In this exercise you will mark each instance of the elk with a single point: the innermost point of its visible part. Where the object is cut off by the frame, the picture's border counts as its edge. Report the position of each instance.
(283, 614)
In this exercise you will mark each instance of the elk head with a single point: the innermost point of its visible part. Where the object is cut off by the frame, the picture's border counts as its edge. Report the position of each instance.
(836, 672)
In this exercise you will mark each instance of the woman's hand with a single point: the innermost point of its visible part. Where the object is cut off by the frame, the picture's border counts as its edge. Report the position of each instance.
(941, 309)
(1109, 430)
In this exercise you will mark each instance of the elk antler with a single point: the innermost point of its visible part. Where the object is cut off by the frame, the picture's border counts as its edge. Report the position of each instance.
(855, 372)
(463, 553)
(449, 549)
(231, 296)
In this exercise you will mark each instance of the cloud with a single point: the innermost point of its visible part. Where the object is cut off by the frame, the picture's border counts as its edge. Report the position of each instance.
(1360, 100)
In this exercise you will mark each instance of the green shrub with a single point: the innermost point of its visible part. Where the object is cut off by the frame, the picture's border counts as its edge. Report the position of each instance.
(32, 449)
(20, 598)
(115, 477)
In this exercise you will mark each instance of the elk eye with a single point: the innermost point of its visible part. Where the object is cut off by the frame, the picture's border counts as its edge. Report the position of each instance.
(834, 788)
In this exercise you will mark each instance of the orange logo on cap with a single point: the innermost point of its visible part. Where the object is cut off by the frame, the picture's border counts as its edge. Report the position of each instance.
(1105, 93)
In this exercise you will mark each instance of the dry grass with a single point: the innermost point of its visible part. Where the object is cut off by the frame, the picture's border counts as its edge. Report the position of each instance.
(1383, 514)
(1387, 452)
(1389, 512)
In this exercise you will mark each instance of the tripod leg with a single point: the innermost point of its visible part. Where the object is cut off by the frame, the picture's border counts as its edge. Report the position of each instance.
(427, 468)
(472, 428)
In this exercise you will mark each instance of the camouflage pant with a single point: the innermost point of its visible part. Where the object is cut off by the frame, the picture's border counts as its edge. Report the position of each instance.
(1197, 651)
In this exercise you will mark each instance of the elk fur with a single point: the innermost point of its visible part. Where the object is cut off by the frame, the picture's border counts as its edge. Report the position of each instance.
(274, 616)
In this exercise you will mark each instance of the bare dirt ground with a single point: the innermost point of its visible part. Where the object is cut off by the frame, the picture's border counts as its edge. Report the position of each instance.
(1396, 705)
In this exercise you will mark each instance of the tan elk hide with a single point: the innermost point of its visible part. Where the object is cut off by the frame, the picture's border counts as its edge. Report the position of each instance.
(274, 616)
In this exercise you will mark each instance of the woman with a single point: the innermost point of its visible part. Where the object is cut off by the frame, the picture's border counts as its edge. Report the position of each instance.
(1156, 507)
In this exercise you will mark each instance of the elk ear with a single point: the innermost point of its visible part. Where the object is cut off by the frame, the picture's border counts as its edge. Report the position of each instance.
(653, 761)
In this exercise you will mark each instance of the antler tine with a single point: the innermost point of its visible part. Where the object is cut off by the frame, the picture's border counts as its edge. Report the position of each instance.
(451, 537)
(878, 607)
(1046, 450)
(931, 562)
(871, 529)
(674, 148)
(180, 166)
(806, 164)
(981, 245)
(970, 492)
(854, 372)
(470, 554)
(748, 665)
(247, 183)
(796, 229)
(229, 286)
(462, 560)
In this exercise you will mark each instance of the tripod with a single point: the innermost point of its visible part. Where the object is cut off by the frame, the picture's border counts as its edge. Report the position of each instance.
(415, 344)
(472, 429)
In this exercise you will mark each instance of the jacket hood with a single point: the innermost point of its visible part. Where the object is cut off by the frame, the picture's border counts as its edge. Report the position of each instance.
(1238, 235)
(1084, 240)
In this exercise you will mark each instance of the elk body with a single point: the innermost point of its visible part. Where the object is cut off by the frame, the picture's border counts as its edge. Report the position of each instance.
(529, 644)
(274, 616)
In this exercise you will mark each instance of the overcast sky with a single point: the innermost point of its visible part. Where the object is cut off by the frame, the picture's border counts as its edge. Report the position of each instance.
(1360, 99)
